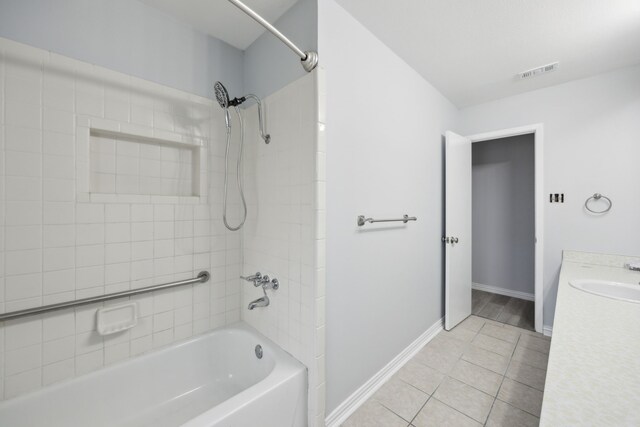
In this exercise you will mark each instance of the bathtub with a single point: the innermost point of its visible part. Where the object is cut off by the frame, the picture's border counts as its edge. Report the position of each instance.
(214, 379)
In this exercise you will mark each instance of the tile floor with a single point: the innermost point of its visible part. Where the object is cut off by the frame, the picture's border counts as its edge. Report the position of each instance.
(480, 373)
(503, 309)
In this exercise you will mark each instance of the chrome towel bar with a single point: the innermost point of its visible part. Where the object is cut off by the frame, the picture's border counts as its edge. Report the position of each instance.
(202, 277)
(405, 218)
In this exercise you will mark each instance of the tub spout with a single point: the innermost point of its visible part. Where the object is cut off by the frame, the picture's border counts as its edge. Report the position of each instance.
(260, 302)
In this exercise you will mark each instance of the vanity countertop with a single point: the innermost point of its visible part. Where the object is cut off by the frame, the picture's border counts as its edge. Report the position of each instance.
(593, 376)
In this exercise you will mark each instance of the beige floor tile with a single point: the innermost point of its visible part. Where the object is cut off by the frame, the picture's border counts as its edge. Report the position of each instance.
(521, 396)
(527, 374)
(401, 398)
(487, 359)
(441, 353)
(437, 414)
(494, 345)
(460, 333)
(526, 332)
(440, 360)
(501, 333)
(373, 414)
(531, 357)
(496, 324)
(505, 415)
(445, 342)
(477, 377)
(534, 343)
(420, 376)
(465, 399)
(473, 323)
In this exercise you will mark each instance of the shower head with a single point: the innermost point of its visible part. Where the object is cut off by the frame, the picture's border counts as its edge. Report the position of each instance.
(222, 96)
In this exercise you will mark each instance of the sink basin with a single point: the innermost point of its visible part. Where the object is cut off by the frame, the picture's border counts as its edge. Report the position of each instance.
(619, 291)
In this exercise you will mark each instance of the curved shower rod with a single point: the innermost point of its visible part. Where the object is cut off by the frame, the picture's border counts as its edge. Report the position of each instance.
(309, 59)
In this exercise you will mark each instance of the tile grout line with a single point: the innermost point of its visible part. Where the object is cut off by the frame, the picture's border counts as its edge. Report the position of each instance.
(446, 375)
(501, 382)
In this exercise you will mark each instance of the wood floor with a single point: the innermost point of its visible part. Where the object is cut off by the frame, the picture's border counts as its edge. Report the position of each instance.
(503, 309)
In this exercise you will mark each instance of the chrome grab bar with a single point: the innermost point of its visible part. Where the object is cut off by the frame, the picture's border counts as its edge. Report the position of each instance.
(202, 278)
(406, 218)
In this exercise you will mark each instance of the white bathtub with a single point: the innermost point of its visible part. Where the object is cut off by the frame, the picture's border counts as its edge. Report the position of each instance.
(212, 380)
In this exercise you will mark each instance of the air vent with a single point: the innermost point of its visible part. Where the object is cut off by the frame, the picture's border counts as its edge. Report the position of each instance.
(540, 70)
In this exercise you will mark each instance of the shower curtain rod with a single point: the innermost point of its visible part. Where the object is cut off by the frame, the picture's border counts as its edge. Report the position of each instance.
(309, 59)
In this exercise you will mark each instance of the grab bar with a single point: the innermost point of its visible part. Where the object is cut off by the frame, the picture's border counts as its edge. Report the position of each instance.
(405, 218)
(202, 278)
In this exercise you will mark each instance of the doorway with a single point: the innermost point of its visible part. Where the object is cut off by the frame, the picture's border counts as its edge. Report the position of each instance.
(503, 230)
(458, 220)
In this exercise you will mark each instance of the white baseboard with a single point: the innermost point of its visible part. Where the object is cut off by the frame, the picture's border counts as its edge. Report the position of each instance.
(353, 402)
(547, 330)
(502, 291)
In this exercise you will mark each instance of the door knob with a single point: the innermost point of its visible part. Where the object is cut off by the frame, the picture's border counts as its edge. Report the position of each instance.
(454, 240)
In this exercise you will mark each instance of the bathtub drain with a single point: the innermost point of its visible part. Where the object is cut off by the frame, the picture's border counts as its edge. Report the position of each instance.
(259, 351)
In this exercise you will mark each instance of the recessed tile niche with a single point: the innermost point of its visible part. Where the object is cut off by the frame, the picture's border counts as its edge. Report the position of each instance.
(122, 163)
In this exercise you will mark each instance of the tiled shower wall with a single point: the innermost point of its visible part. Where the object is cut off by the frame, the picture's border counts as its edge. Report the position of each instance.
(284, 235)
(60, 241)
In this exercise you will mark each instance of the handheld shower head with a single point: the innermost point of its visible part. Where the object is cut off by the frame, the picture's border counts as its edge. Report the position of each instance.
(222, 96)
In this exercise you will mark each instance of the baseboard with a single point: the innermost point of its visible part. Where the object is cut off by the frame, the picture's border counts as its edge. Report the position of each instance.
(501, 291)
(353, 402)
(547, 330)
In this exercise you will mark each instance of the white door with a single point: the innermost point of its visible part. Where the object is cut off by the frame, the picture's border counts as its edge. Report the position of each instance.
(457, 238)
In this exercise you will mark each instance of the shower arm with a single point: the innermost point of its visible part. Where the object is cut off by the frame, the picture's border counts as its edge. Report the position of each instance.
(263, 133)
(309, 59)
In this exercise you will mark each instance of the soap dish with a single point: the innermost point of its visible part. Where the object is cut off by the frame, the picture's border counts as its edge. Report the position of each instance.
(117, 318)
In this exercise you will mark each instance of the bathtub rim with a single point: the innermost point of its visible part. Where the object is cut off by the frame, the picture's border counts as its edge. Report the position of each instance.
(285, 368)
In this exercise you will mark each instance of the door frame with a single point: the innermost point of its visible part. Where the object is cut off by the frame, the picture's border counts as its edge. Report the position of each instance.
(538, 136)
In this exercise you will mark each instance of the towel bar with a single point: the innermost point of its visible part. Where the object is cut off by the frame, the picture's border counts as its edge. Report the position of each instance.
(405, 218)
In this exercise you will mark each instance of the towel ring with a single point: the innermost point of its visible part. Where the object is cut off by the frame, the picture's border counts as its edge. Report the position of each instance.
(598, 196)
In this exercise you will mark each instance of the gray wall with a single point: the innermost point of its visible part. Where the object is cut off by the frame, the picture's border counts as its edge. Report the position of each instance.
(591, 130)
(504, 213)
(384, 281)
(126, 36)
(269, 64)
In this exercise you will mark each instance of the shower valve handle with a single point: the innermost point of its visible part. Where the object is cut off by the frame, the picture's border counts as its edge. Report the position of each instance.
(256, 278)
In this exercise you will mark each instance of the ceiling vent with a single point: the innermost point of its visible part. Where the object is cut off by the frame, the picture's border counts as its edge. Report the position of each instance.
(540, 70)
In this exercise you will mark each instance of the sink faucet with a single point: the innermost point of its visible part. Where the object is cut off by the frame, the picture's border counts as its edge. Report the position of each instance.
(260, 302)
(266, 283)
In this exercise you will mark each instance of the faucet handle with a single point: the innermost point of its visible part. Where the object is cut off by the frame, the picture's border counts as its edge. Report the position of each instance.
(256, 277)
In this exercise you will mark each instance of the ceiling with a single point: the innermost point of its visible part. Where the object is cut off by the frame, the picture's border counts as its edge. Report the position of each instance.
(471, 50)
(221, 19)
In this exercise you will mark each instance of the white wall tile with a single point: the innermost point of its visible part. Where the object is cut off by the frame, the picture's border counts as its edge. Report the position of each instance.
(23, 213)
(59, 213)
(23, 139)
(22, 163)
(19, 188)
(58, 371)
(23, 115)
(58, 281)
(24, 382)
(117, 232)
(58, 258)
(62, 242)
(59, 235)
(23, 237)
(23, 262)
